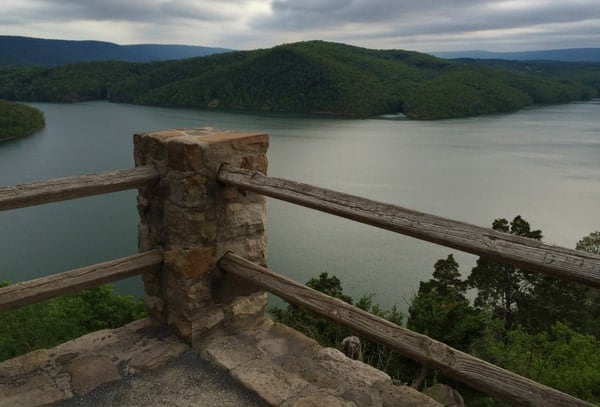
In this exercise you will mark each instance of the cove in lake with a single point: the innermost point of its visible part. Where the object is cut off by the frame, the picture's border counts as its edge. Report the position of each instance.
(542, 163)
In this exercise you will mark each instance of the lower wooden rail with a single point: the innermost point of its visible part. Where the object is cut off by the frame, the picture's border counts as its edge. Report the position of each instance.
(68, 282)
(453, 363)
(62, 189)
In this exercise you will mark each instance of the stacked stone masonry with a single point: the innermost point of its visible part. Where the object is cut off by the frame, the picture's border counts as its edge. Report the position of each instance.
(194, 220)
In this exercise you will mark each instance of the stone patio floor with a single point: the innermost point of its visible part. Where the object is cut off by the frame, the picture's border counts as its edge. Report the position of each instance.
(144, 364)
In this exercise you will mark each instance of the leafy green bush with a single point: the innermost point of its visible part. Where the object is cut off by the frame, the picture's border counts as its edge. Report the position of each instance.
(560, 358)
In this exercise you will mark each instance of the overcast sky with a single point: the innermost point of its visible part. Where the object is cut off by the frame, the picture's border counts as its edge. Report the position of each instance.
(422, 25)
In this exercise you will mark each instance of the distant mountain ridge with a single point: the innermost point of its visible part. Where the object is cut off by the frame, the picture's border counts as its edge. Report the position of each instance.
(19, 51)
(563, 55)
(15, 50)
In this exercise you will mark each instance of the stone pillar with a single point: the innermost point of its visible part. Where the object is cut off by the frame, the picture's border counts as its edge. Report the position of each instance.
(195, 220)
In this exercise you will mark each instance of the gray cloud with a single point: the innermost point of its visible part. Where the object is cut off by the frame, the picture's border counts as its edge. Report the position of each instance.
(156, 11)
(425, 16)
(312, 14)
(415, 24)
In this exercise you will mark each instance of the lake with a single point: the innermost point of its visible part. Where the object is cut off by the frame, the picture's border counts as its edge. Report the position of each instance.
(542, 163)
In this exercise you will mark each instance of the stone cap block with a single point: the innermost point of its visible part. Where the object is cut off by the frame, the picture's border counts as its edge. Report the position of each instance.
(185, 149)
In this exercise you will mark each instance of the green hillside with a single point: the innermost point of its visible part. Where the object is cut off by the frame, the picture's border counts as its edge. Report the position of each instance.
(17, 120)
(587, 73)
(307, 77)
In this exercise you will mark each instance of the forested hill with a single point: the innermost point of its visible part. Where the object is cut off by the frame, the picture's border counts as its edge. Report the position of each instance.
(37, 51)
(581, 72)
(306, 77)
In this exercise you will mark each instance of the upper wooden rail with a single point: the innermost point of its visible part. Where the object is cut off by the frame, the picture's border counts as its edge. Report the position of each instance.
(44, 288)
(62, 189)
(528, 254)
(458, 365)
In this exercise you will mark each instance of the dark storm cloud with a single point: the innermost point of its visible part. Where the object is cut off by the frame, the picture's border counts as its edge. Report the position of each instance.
(314, 13)
(398, 18)
(474, 20)
(130, 10)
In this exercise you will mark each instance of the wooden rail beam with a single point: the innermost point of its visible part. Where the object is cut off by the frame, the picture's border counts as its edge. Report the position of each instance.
(62, 189)
(453, 363)
(528, 254)
(44, 288)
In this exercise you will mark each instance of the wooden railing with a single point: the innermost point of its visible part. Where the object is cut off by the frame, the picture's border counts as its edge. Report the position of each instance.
(530, 254)
(63, 189)
(36, 193)
(451, 362)
(69, 282)
(526, 253)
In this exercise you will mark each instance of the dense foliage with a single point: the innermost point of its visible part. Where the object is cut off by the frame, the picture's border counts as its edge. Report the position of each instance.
(585, 73)
(50, 323)
(538, 327)
(559, 357)
(18, 120)
(442, 311)
(306, 77)
(501, 288)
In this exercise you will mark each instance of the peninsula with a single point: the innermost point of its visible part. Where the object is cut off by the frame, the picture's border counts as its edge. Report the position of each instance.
(313, 77)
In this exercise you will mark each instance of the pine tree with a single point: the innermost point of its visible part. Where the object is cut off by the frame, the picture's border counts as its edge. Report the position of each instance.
(502, 288)
(441, 309)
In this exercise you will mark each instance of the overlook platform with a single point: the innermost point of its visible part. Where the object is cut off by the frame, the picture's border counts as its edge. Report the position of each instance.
(202, 258)
(256, 363)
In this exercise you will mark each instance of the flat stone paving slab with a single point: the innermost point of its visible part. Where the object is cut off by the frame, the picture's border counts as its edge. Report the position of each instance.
(140, 364)
(186, 381)
(286, 368)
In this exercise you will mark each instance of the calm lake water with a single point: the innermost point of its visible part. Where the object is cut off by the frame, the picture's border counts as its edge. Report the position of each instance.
(541, 163)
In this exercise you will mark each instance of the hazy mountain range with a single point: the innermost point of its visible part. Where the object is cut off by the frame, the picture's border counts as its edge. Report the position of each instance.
(37, 51)
(565, 55)
(16, 50)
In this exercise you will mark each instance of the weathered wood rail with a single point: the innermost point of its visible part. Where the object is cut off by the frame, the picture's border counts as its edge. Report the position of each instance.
(62, 189)
(68, 282)
(528, 254)
(45, 288)
(453, 363)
